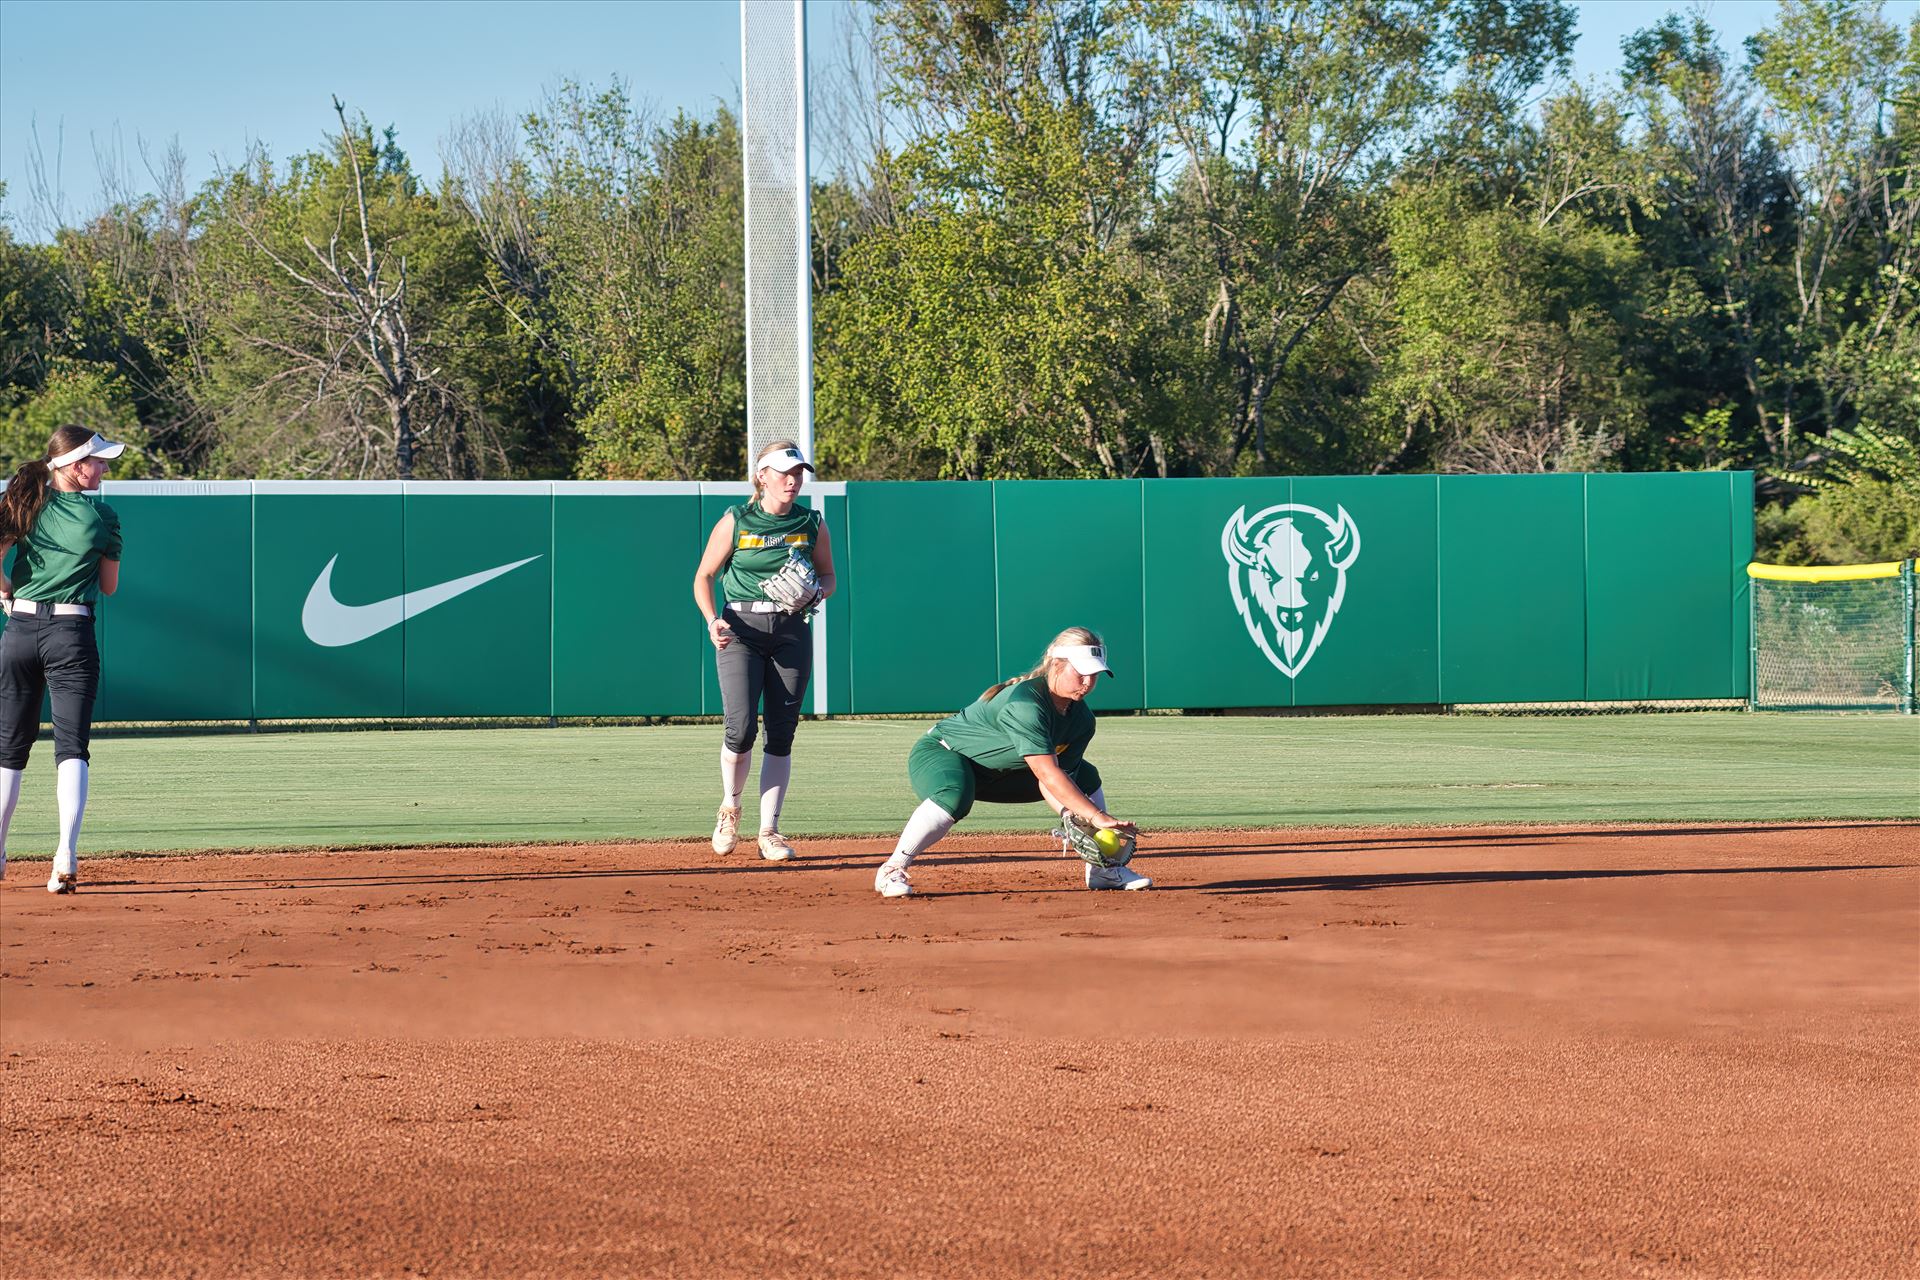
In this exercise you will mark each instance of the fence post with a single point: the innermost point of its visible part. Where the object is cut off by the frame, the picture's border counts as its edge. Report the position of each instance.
(1908, 702)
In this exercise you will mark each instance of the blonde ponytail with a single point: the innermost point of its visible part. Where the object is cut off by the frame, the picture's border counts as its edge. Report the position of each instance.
(1072, 635)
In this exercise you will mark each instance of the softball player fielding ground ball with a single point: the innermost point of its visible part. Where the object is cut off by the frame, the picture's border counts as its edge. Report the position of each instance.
(764, 647)
(69, 556)
(1023, 740)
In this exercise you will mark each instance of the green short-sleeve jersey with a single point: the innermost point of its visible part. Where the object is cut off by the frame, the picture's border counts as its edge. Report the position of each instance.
(59, 562)
(1017, 722)
(761, 545)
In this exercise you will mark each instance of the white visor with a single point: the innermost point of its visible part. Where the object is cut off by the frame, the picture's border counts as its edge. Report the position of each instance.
(784, 461)
(94, 448)
(1087, 659)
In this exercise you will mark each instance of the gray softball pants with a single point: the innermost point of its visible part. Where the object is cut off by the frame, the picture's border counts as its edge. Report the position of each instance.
(771, 657)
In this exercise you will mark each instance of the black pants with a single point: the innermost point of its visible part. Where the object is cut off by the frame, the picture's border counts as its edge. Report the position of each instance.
(771, 656)
(39, 653)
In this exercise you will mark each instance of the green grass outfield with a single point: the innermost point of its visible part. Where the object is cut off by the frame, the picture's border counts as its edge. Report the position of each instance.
(516, 785)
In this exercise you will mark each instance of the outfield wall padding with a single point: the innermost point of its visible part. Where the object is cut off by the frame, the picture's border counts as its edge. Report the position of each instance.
(295, 600)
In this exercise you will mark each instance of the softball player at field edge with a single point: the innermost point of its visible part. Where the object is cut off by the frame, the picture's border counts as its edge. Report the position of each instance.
(1023, 740)
(763, 651)
(69, 556)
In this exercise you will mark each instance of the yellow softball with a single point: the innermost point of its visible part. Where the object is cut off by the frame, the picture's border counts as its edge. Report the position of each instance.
(1108, 839)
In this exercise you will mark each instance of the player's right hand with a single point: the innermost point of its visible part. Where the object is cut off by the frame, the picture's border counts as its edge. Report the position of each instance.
(1107, 820)
(720, 633)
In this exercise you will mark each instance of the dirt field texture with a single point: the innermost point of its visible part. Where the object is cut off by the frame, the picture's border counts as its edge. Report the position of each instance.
(1574, 1051)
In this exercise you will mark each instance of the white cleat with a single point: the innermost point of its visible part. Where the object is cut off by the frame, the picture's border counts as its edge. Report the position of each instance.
(726, 829)
(66, 873)
(1116, 878)
(774, 847)
(893, 881)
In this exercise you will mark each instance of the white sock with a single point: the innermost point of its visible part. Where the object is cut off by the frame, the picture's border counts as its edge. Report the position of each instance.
(9, 801)
(775, 773)
(70, 785)
(1099, 798)
(924, 829)
(733, 776)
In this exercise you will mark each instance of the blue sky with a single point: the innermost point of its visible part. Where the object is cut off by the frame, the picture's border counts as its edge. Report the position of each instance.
(90, 75)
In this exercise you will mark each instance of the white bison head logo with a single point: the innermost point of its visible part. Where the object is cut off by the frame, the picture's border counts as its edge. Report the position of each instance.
(1287, 566)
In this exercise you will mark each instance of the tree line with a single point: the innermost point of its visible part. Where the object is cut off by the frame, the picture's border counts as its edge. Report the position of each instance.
(1093, 238)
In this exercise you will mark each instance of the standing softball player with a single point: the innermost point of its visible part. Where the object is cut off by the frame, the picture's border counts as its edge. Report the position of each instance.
(69, 556)
(1023, 740)
(774, 565)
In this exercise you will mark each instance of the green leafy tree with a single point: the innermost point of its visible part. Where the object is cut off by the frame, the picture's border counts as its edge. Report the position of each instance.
(338, 298)
(1003, 318)
(86, 394)
(89, 326)
(33, 313)
(515, 351)
(1289, 116)
(1865, 504)
(640, 232)
(1840, 82)
(1073, 238)
(1717, 232)
(122, 271)
(1510, 336)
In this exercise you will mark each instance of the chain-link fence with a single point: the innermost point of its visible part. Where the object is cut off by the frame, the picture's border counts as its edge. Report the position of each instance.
(1638, 707)
(1839, 638)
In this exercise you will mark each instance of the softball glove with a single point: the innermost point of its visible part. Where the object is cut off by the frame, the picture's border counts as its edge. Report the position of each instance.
(1097, 846)
(795, 588)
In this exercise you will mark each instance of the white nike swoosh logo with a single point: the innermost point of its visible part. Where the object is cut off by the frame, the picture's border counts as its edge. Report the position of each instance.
(331, 624)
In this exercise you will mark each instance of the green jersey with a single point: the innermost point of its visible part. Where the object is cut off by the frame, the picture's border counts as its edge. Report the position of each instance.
(1017, 722)
(761, 545)
(59, 562)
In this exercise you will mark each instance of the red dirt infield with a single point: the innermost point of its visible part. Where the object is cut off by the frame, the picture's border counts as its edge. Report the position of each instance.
(1520, 1052)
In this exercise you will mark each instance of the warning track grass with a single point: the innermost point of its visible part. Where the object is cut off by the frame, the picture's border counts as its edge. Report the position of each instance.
(506, 786)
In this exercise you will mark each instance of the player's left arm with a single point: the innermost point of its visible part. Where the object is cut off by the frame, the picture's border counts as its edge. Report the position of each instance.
(1062, 792)
(110, 546)
(823, 561)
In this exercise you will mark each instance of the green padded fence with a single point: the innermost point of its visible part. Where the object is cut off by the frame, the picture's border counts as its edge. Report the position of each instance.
(292, 600)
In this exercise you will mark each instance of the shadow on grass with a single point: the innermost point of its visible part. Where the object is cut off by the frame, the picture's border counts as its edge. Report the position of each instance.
(1412, 879)
(1333, 842)
(424, 880)
(1156, 844)
(1423, 879)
